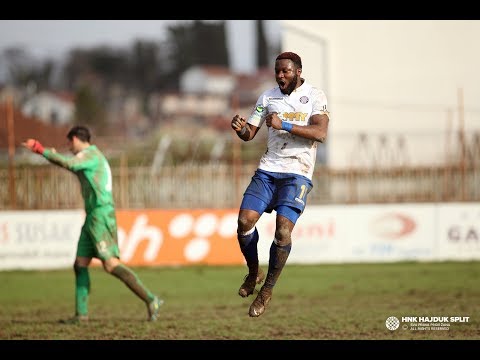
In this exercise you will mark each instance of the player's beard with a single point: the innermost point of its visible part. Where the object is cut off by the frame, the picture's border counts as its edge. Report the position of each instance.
(293, 83)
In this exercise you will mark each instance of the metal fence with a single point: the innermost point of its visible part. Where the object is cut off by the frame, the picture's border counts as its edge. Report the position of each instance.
(218, 185)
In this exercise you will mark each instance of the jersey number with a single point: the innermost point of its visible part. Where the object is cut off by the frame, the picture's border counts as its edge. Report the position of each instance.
(108, 185)
(302, 192)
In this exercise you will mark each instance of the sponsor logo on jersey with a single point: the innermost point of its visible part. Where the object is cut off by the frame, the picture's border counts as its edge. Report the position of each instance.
(295, 116)
(304, 99)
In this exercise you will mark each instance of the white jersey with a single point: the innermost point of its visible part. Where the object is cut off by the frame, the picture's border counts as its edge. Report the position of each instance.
(288, 153)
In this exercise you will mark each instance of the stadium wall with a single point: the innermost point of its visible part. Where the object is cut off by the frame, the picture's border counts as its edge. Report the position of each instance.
(324, 234)
(388, 78)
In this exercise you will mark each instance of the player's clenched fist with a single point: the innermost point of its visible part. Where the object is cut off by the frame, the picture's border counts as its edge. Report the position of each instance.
(238, 123)
(33, 145)
(272, 120)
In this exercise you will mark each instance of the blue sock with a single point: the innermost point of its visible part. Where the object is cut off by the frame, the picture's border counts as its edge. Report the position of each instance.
(278, 258)
(248, 246)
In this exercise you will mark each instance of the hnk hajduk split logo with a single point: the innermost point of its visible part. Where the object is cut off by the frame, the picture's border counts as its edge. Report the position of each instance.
(422, 323)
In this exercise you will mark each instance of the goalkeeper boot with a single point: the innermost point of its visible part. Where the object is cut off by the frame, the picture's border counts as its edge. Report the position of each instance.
(249, 283)
(154, 308)
(259, 304)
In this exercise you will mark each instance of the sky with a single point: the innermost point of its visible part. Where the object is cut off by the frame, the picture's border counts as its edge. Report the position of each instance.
(55, 37)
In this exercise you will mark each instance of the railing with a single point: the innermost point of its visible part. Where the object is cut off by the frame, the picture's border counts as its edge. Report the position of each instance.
(222, 186)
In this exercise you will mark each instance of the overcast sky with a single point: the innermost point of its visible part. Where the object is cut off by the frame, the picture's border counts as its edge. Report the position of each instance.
(56, 37)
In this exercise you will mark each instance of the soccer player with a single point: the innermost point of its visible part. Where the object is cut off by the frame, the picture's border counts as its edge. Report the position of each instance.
(296, 116)
(98, 237)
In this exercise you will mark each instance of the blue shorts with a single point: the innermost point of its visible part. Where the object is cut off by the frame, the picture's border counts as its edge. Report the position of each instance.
(283, 192)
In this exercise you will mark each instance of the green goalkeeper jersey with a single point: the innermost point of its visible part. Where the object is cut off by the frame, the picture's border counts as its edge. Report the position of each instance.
(93, 171)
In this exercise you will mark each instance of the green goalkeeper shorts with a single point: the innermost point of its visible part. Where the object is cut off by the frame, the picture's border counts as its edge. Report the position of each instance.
(99, 237)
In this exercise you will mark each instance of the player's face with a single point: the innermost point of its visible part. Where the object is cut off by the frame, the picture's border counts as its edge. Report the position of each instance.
(286, 75)
(73, 145)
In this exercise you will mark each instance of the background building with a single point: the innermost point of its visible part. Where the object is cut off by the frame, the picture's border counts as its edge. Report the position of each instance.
(400, 92)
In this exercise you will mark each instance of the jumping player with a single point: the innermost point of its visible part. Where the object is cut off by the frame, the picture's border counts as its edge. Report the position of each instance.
(297, 118)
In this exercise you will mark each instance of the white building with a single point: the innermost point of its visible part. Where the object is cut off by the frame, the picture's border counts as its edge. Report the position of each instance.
(397, 89)
(208, 80)
(51, 108)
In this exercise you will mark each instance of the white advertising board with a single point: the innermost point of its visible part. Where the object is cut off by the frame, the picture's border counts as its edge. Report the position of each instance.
(323, 234)
(458, 231)
(39, 239)
(360, 233)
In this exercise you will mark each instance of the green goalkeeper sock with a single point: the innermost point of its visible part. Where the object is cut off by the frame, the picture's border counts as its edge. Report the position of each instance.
(82, 288)
(133, 282)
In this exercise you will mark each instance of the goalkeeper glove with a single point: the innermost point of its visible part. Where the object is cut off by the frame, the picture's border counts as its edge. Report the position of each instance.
(34, 145)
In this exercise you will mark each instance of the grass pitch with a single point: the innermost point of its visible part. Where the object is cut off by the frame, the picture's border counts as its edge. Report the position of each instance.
(314, 302)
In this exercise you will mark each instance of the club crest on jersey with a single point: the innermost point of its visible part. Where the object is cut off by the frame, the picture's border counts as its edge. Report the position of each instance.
(259, 108)
(304, 99)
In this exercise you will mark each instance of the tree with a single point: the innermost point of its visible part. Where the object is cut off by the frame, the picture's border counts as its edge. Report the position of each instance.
(145, 66)
(210, 43)
(24, 70)
(107, 64)
(89, 109)
(198, 43)
(262, 45)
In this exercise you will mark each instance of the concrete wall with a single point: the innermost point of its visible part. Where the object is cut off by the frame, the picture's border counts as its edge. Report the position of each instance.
(405, 78)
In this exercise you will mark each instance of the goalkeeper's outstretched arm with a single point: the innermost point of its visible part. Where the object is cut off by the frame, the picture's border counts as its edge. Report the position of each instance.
(72, 163)
(34, 146)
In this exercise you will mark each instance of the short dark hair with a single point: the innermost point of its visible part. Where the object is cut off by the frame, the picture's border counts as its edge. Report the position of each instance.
(291, 56)
(81, 132)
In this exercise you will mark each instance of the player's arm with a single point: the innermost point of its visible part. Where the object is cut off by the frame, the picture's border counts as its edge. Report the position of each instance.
(78, 162)
(72, 163)
(34, 146)
(244, 130)
(317, 127)
(316, 130)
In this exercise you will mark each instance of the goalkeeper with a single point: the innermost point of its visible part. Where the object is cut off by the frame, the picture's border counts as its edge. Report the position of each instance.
(98, 237)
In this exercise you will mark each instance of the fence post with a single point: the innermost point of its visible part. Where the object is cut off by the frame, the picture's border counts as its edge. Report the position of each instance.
(236, 154)
(124, 203)
(461, 132)
(11, 153)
